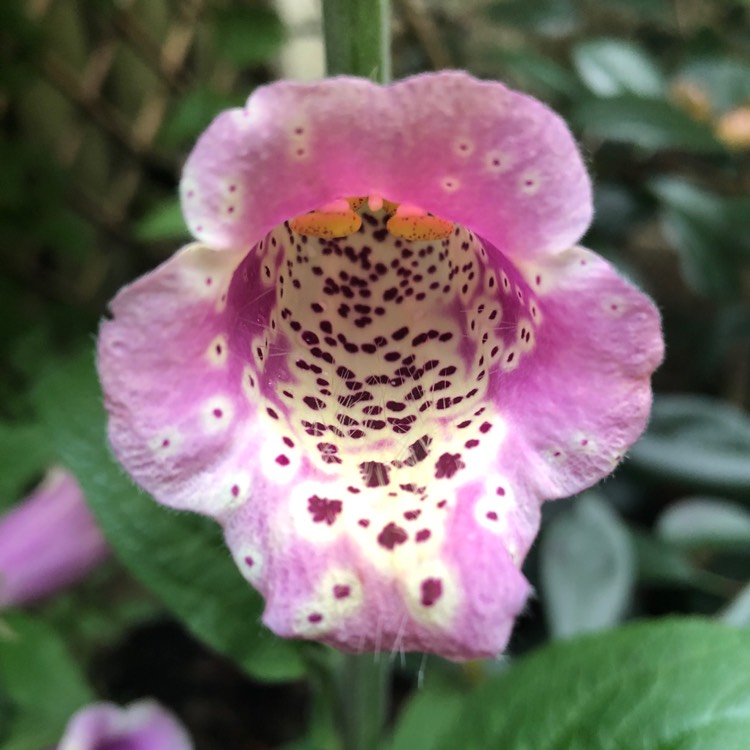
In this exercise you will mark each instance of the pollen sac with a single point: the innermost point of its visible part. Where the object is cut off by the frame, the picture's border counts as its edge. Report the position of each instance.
(419, 227)
(338, 220)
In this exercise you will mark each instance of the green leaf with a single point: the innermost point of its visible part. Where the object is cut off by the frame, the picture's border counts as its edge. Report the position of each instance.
(530, 70)
(427, 715)
(193, 113)
(587, 568)
(710, 233)
(705, 522)
(611, 67)
(737, 613)
(726, 81)
(180, 557)
(652, 686)
(551, 18)
(164, 222)
(41, 681)
(247, 35)
(25, 453)
(699, 442)
(663, 565)
(650, 124)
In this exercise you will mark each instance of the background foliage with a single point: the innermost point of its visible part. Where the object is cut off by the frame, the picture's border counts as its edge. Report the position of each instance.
(99, 103)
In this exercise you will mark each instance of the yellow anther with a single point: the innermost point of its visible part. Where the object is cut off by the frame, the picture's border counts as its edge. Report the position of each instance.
(330, 222)
(356, 203)
(417, 227)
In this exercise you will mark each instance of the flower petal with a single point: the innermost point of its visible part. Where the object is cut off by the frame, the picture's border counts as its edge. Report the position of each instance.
(375, 421)
(472, 152)
(48, 541)
(144, 725)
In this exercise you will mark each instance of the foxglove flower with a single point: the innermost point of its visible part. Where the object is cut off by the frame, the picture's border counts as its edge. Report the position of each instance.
(382, 354)
(49, 541)
(144, 725)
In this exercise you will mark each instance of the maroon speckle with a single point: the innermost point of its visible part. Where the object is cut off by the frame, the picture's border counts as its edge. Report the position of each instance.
(374, 473)
(218, 413)
(249, 561)
(423, 535)
(324, 510)
(341, 592)
(500, 491)
(485, 427)
(282, 460)
(471, 443)
(392, 535)
(412, 515)
(235, 490)
(447, 465)
(492, 515)
(314, 403)
(315, 617)
(432, 590)
(363, 522)
(165, 443)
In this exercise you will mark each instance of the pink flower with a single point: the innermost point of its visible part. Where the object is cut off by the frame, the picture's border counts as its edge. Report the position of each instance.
(49, 541)
(144, 725)
(371, 399)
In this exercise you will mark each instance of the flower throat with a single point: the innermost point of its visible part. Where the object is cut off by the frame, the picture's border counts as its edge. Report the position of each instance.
(369, 349)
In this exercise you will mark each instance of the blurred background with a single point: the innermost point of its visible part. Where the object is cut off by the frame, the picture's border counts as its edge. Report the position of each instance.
(101, 100)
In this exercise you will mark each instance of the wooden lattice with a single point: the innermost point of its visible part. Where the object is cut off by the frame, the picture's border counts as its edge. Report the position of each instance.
(90, 52)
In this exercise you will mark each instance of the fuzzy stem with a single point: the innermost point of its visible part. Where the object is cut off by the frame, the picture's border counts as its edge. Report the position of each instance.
(357, 38)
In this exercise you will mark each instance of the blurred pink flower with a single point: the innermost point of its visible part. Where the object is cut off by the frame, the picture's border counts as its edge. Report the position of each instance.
(48, 541)
(144, 725)
(384, 352)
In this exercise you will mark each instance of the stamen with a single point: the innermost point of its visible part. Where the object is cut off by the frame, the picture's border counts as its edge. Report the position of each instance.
(337, 219)
(416, 225)
(341, 218)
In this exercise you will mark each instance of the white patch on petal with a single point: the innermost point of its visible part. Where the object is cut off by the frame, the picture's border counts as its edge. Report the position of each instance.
(432, 594)
(217, 414)
(584, 443)
(218, 351)
(231, 192)
(529, 182)
(166, 442)
(450, 184)
(339, 594)
(497, 161)
(614, 306)
(250, 384)
(250, 561)
(235, 489)
(302, 518)
(510, 359)
(463, 146)
(278, 463)
(525, 339)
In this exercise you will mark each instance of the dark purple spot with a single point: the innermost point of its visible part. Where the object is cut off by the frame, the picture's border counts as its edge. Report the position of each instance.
(324, 510)
(423, 535)
(249, 561)
(374, 473)
(315, 617)
(432, 590)
(314, 403)
(447, 465)
(341, 592)
(282, 460)
(473, 443)
(392, 535)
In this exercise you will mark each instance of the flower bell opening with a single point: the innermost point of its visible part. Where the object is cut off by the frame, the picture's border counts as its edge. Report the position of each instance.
(374, 397)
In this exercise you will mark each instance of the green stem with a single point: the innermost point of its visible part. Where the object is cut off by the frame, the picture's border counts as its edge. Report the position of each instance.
(363, 696)
(358, 38)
